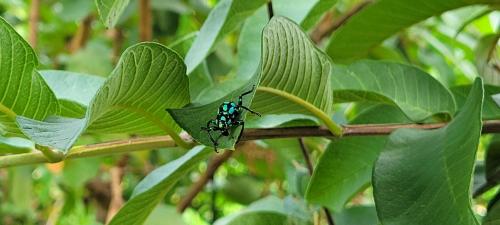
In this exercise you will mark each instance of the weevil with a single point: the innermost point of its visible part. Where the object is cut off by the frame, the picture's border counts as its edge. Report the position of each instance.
(227, 118)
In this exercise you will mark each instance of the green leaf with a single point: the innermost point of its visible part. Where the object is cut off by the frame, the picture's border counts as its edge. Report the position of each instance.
(224, 18)
(74, 91)
(15, 145)
(74, 10)
(415, 92)
(382, 19)
(76, 87)
(193, 117)
(270, 210)
(345, 167)
(316, 12)
(358, 215)
(295, 74)
(153, 188)
(242, 189)
(163, 213)
(430, 170)
(269, 121)
(491, 110)
(249, 44)
(364, 113)
(111, 10)
(476, 13)
(22, 90)
(94, 58)
(343, 170)
(148, 78)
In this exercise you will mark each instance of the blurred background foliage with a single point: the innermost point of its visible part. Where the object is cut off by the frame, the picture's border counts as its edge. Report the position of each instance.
(454, 47)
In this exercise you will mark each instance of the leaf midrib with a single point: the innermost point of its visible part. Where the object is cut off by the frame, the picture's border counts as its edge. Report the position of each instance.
(332, 126)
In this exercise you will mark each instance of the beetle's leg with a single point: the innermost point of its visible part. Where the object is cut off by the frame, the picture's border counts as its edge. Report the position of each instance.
(216, 142)
(240, 98)
(253, 112)
(242, 124)
(211, 126)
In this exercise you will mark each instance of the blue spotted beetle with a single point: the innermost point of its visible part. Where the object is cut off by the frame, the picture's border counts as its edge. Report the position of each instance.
(228, 117)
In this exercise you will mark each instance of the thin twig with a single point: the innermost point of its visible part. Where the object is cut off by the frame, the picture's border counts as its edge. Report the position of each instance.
(212, 167)
(145, 28)
(82, 35)
(325, 28)
(116, 173)
(117, 36)
(303, 148)
(33, 22)
(310, 168)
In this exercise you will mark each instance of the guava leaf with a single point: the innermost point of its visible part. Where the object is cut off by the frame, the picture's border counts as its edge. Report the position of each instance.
(23, 92)
(148, 78)
(430, 170)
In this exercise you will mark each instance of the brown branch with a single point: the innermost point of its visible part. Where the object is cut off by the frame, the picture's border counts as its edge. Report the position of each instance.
(116, 174)
(310, 168)
(145, 28)
(82, 34)
(327, 26)
(489, 126)
(212, 167)
(141, 144)
(33, 22)
(117, 36)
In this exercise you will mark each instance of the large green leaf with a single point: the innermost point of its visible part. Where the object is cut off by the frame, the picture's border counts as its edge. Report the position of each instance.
(415, 92)
(384, 18)
(148, 78)
(224, 18)
(295, 74)
(343, 170)
(153, 188)
(345, 167)
(270, 210)
(424, 176)
(111, 10)
(23, 92)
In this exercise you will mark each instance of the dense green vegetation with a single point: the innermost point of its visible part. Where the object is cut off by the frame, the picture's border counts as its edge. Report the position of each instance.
(373, 112)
